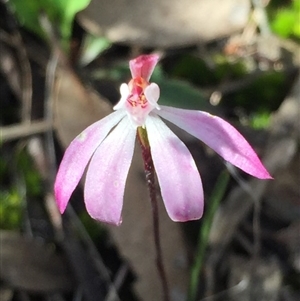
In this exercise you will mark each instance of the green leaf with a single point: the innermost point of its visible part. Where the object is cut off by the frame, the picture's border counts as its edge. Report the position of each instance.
(61, 13)
(92, 47)
(68, 9)
(207, 220)
(192, 69)
(286, 22)
(10, 209)
(180, 94)
(27, 13)
(31, 176)
(260, 120)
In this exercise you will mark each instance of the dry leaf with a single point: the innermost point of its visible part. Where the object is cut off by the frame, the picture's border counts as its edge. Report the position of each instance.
(164, 23)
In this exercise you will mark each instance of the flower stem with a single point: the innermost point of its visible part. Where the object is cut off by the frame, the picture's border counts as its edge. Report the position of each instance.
(213, 204)
(150, 177)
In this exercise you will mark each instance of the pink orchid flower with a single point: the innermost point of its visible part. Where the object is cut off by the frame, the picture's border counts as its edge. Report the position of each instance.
(107, 148)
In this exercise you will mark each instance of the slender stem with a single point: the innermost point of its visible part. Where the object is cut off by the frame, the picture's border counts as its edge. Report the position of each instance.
(203, 237)
(150, 177)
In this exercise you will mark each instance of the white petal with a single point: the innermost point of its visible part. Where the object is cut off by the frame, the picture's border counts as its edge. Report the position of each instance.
(124, 91)
(152, 94)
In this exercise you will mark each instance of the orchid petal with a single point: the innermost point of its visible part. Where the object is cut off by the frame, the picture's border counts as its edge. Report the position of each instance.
(178, 176)
(107, 173)
(152, 93)
(143, 66)
(218, 134)
(78, 155)
(124, 91)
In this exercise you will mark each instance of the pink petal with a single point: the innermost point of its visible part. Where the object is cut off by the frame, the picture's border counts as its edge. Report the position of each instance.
(107, 173)
(77, 156)
(143, 66)
(178, 176)
(220, 136)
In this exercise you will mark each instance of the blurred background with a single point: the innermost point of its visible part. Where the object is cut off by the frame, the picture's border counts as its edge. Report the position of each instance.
(61, 66)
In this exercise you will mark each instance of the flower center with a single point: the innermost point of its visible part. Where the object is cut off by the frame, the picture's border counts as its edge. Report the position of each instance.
(138, 98)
